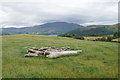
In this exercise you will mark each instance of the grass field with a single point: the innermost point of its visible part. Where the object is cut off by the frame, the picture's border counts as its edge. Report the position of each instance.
(98, 59)
(0, 57)
(118, 39)
(92, 37)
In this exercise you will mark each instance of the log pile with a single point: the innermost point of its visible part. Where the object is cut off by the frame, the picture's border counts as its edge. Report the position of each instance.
(51, 52)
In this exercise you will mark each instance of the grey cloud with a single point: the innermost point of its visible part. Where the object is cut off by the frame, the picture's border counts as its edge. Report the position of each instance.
(76, 11)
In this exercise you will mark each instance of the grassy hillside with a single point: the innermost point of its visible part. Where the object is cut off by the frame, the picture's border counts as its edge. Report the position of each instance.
(0, 56)
(95, 30)
(98, 59)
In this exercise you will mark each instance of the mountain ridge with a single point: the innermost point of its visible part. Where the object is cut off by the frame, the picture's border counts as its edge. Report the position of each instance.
(95, 30)
(44, 29)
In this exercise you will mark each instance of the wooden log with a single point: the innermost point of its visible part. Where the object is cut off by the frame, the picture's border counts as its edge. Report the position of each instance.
(35, 51)
(63, 53)
(50, 48)
(43, 48)
(31, 51)
(30, 54)
(65, 48)
(39, 52)
(51, 52)
(34, 48)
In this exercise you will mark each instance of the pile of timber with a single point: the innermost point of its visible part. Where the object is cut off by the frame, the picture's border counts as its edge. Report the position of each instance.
(51, 52)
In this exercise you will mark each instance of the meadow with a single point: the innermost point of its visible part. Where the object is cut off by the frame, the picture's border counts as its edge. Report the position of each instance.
(92, 37)
(98, 59)
(96, 37)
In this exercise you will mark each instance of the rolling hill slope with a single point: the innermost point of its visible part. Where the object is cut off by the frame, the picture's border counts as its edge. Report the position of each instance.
(97, 61)
(46, 29)
(95, 30)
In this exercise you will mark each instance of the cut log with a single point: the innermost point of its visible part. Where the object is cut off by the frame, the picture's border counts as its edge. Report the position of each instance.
(65, 48)
(63, 53)
(34, 48)
(30, 54)
(51, 52)
(44, 48)
(39, 52)
(31, 51)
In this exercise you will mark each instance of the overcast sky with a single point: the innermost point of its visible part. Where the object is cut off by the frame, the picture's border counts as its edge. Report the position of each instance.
(20, 13)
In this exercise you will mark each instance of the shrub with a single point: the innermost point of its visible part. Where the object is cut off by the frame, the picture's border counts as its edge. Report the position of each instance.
(67, 35)
(101, 39)
(109, 38)
(116, 35)
(79, 37)
(72, 36)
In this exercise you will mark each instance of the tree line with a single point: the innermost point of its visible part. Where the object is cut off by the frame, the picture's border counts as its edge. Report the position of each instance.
(107, 39)
(75, 36)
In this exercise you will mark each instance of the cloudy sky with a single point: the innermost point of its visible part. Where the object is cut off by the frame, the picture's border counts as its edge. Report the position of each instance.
(18, 13)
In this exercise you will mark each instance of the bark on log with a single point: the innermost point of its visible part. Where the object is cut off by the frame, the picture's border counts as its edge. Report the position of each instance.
(39, 52)
(31, 51)
(34, 48)
(63, 53)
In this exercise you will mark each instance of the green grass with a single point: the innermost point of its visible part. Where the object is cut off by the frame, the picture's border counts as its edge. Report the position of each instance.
(0, 57)
(98, 59)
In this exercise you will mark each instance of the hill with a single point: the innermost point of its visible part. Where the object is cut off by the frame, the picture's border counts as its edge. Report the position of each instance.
(46, 29)
(95, 30)
(97, 61)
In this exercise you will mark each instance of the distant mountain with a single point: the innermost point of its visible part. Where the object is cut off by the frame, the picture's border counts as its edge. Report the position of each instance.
(45, 29)
(95, 30)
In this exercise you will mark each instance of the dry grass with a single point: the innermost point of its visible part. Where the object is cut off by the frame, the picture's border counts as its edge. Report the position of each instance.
(92, 38)
(118, 39)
